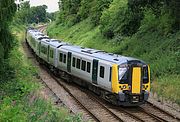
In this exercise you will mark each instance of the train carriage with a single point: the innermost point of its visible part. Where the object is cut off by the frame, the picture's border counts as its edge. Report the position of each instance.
(44, 49)
(53, 52)
(118, 79)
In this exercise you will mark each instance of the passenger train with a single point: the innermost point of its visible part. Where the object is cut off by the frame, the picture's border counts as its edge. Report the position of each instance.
(118, 79)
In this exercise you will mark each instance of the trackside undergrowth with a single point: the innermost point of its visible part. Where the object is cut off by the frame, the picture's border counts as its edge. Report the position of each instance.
(20, 100)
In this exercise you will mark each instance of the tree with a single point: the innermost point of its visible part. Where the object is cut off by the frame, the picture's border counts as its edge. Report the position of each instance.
(38, 14)
(22, 15)
(31, 15)
(7, 11)
(84, 9)
(69, 11)
(98, 7)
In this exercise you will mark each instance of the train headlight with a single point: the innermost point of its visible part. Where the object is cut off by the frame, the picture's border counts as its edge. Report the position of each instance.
(124, 86)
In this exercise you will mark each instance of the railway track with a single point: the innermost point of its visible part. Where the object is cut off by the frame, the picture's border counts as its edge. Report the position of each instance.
(96, 109)
(92, 116)
(99, 110)
(47, 80)
(90, 106)
(159, 113)
(42, 28)
(91, 102)
(116, 110)
(137, 113)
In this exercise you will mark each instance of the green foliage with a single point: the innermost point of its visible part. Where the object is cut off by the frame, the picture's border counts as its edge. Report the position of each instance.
(113, 18)
(98, 7)
(84, 9)
(27, 14)
(168, 87)
(22, 15)
(75, 11)
(51, 16)
(7, 10)
(38, 14)
(69, 5)
(152, 43)
(19, 95)
(68, 14)
(145, 29)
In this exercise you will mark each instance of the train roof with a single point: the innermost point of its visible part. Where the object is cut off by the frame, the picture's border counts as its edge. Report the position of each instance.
(100, 54)
(55, 40)
(55, 43)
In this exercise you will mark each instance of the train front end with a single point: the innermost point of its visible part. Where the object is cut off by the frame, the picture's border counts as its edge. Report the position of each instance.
(131, 83)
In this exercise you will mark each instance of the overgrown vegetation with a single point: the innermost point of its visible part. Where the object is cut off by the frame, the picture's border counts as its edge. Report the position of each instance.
(20, 98)
(19, 90)
(35, 14)
(148, 30)
(7, 10)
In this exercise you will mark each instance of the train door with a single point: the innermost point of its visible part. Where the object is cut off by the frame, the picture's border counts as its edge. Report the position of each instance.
(136, 80)
(69, 62)
(95, 71)
(48, 49)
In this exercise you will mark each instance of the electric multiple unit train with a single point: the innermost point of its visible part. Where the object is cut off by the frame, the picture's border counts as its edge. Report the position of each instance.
(118, 79)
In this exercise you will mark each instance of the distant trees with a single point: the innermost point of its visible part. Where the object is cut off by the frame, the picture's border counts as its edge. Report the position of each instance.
(22, 15)
(27, 14)
(38, 14)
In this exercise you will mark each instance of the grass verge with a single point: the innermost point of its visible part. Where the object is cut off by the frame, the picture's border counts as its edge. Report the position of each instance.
(19, 97)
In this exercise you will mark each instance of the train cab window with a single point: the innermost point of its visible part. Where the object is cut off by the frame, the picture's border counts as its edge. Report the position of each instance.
(83, 65)
(78, 63)
(60, 57)
(110, 74)
(102, 71)
(123, 75)
(145, 75)
(64, 60)
(51, 53)
(74, 62)
(88, 67)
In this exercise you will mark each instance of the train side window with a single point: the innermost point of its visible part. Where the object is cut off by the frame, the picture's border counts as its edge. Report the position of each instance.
(51, 53)
(83, 65)
(64, 60)
(102, 71)
(60, 57)
(78, 63)
(88, 67)
(44, 50)
(74, 62)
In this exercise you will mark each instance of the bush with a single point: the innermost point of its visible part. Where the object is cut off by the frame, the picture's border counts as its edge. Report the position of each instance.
(112, 19)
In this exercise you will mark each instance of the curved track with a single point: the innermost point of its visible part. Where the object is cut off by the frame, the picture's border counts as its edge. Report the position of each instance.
(99, 110)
